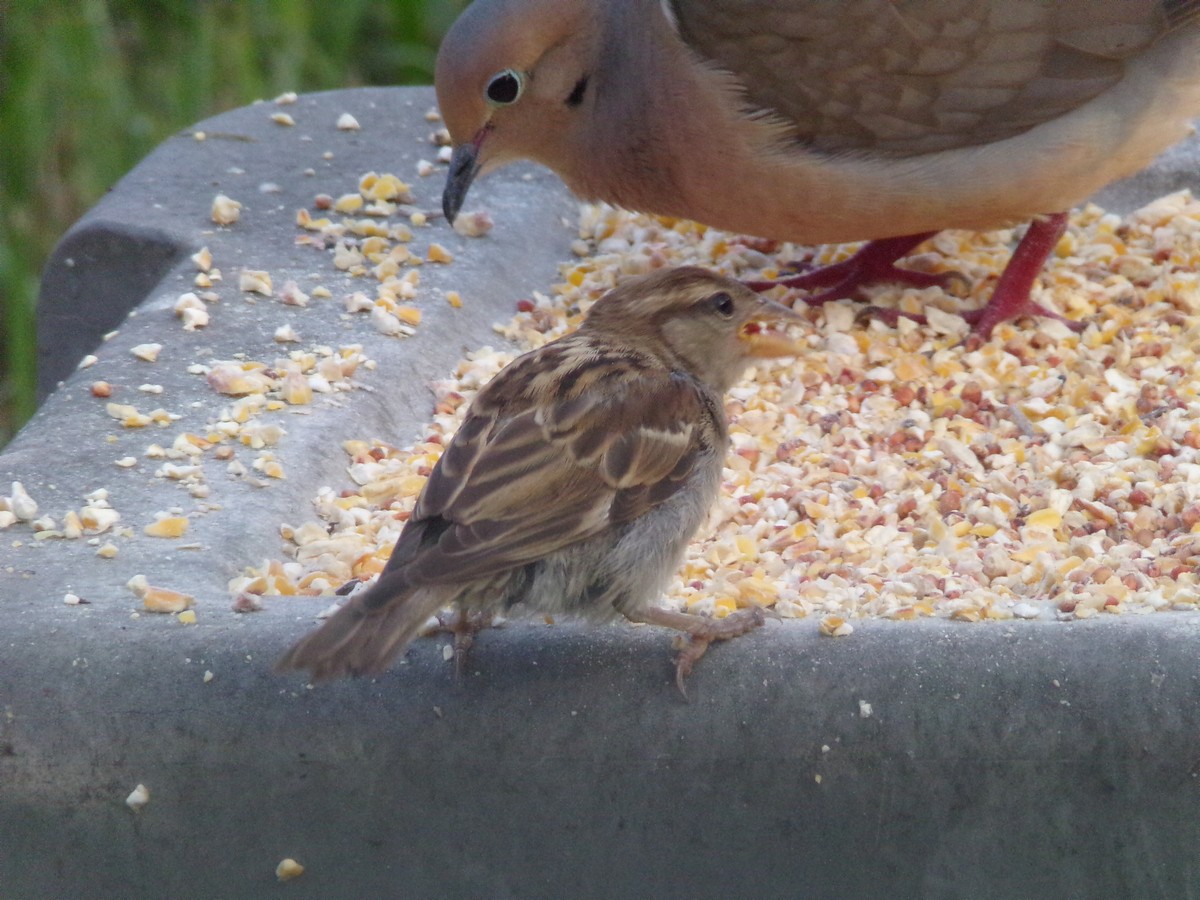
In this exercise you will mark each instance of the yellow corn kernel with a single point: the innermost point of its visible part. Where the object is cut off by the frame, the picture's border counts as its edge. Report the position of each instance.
(305, 220)
(723, 606)
(296, 389)
(1044, 518)
(288, 869)
(409, 315)
(169, 527)
(383, 187)
(1068, 564)
(165, 600)
(834, 626)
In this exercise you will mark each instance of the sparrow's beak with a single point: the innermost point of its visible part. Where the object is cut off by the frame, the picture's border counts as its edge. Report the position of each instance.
(765, 334)
(464, 166)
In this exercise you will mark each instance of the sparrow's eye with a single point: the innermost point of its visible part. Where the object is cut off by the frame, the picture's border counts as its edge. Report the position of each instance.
(722, 303)
(505, 87)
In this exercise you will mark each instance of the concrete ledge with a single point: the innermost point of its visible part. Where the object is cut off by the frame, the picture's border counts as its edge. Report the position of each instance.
(928, 758)
(98, 272)
(1023, 760)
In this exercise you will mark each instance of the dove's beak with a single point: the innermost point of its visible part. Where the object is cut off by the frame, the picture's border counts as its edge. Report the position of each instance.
(464, 166)
(765, 334)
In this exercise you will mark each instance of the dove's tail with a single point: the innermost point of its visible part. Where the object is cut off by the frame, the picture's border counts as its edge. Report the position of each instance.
(367, 634)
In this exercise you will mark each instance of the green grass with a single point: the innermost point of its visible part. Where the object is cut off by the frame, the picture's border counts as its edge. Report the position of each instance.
(88, 87)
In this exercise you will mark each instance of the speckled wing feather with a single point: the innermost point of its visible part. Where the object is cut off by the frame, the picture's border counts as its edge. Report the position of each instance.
(904, 77)
(527, 475)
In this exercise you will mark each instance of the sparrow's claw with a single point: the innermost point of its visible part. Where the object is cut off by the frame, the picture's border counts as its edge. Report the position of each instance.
(704, 631)
(463, 626)
(701, 631)
(690, 650)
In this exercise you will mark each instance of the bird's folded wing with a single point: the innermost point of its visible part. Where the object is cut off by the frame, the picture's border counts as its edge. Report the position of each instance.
(512, 489)
(906, 77)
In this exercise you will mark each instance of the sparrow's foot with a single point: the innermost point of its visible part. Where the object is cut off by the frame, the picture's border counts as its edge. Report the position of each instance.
(701, 631)
(463, 626)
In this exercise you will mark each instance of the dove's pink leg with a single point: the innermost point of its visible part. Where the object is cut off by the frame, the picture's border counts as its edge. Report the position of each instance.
(876, 262)
(873, 263)
(1010, 299)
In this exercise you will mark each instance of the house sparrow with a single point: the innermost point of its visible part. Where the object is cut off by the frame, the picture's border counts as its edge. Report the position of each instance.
(577, 478)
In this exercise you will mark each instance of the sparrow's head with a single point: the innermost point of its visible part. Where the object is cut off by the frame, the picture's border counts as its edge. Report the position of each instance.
(709, 325)
(514, 79)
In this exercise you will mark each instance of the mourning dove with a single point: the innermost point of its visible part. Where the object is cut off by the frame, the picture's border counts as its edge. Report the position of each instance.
(817, 121)
(577, 479)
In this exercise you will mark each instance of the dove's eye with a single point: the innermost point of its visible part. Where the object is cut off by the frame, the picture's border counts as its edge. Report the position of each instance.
(505, 87)
(722, 303)
(577, 92)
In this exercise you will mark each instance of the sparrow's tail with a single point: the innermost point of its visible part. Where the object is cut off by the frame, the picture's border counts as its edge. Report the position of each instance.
(365, 635)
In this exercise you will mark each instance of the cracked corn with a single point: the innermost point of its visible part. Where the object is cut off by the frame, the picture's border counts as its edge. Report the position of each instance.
(898, 472)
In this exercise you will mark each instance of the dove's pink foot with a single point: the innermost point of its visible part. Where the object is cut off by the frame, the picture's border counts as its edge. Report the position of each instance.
(875, 262)
(1010, 299)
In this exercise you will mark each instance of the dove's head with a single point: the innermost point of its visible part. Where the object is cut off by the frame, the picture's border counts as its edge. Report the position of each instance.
(703, 323)
(513, 79)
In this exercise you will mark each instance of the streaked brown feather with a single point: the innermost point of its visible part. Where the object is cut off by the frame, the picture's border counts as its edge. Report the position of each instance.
(526, 482)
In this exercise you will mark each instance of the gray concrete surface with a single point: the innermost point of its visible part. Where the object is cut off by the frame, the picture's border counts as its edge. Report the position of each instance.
(1010, 760)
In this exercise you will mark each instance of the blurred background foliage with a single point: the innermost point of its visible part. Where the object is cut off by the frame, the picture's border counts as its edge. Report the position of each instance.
(89, 87)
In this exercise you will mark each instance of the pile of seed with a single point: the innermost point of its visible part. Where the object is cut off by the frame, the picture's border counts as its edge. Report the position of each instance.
(894, 471)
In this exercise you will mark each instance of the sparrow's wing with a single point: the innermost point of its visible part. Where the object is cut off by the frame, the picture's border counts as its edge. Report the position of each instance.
(513, 487)
(905, 77)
